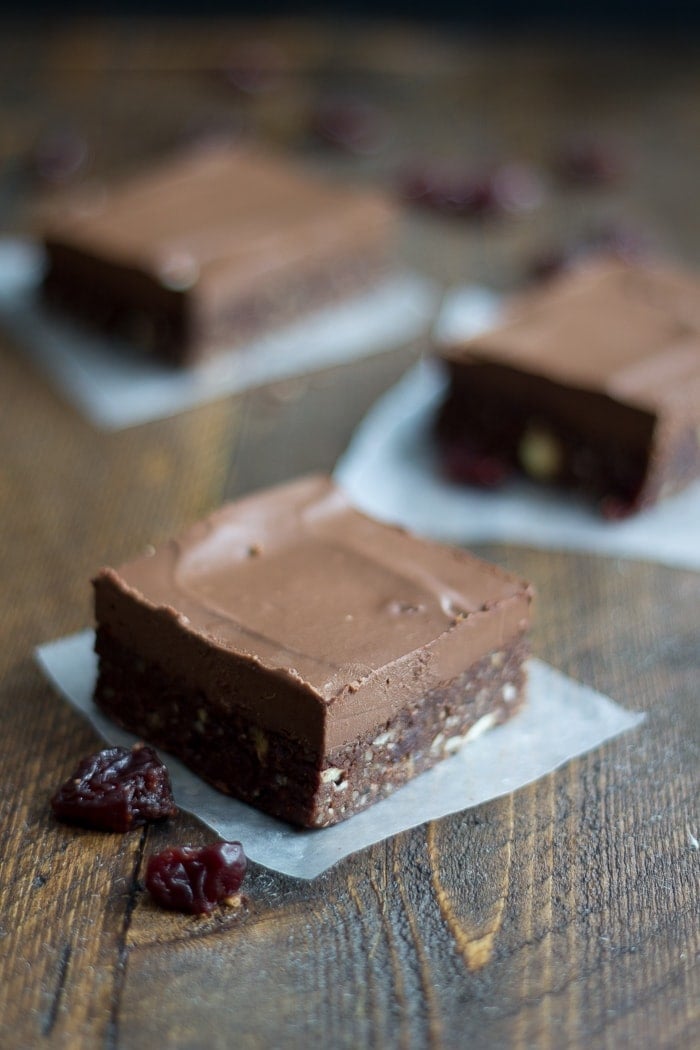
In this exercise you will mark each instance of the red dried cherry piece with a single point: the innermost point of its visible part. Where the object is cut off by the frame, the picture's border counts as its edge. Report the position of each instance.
(616, 508)
(590, 162)
(619, 242)
(490, 192)
(350, 123)
(449, 190)
(464, 464)
(115, 790)
(196, 880)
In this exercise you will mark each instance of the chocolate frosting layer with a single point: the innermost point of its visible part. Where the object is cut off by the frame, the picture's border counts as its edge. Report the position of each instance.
(356, 616)
(627, 331)
(220, 219)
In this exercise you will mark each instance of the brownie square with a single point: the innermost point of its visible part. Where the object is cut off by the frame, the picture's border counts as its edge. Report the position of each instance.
(592, 383)
(306, 658)
(213, 247)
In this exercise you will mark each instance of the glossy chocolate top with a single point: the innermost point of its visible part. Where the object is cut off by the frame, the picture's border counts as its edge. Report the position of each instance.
(629, 331)
(217, 216)
(362, 616)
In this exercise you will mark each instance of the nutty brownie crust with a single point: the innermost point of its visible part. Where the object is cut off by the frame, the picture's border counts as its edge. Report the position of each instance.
(285, 776)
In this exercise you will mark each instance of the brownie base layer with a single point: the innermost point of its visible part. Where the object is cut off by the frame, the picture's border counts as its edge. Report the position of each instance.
(622, 462)
(281, 775)
(170, 326)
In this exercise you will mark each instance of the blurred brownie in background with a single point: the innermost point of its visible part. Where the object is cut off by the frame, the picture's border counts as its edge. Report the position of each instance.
(591, 383)
(212, 248)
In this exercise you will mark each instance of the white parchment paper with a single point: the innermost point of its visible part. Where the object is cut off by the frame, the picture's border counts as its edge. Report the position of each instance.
(391, 471)
(561, 720)
(115, 388)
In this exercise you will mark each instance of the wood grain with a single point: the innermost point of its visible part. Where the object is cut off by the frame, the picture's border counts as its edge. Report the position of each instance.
(563, 915)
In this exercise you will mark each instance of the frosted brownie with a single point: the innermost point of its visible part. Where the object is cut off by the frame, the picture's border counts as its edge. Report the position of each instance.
(213, 247)
(592, 383)
(306, 658)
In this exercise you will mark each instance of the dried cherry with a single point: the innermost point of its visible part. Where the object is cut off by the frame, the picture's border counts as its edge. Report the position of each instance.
(590, 162)
(350, 123)
(448, 190)
(474, 466)
(616, 241)
(115, 790)
(509, 189)
(184, 878)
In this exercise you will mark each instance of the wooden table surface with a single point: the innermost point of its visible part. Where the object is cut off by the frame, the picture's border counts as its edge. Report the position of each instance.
(565, 915)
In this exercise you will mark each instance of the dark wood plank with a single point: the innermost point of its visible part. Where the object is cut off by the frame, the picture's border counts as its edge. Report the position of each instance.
(564, 915)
